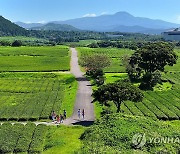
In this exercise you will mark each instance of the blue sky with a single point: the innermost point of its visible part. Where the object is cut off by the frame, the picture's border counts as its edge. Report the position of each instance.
(52, 10)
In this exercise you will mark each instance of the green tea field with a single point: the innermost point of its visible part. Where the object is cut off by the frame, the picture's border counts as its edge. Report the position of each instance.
(29, 59)
(18, 138)
(31, 96)
(114, 53)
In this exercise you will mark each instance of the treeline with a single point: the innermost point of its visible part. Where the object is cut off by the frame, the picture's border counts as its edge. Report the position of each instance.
(67, 36)
(134, 45)
(134, 36)
(17, 43)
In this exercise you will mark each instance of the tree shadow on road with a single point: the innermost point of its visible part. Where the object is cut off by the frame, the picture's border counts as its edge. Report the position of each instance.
(84, 123)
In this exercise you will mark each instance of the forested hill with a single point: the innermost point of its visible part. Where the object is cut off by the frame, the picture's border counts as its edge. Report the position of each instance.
(56, 27)
(7, 28)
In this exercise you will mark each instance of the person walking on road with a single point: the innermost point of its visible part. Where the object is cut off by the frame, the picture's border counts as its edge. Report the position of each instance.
(58, 119)
(83, 113)
(61, 118)
(79, 113)
(53, 116)
(65, 114)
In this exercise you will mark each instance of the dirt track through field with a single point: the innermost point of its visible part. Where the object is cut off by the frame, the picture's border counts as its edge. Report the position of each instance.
(83, 98)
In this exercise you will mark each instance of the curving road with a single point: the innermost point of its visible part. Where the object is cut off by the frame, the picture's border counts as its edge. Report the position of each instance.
(83, 98)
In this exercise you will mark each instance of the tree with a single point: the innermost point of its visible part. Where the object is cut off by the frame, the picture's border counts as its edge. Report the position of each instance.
(95, 62)
(94, 65)
(118, 93)
(151, 58)
(17, 43)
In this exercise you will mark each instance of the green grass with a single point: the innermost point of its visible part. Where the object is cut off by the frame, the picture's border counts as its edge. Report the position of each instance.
(114, 133)
(32, 96)
(18, 138)
(81, 43)
(22, 38)
(162, 103)
(113, 53)
(176, 67)
(63, 139)
(34, 59)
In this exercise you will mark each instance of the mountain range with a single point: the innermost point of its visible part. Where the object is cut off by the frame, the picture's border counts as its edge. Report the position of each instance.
(121, 21)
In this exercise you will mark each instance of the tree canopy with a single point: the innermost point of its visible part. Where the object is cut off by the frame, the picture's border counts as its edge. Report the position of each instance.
(154, 56)
(95, 62)
(117, 92)
(149, 61)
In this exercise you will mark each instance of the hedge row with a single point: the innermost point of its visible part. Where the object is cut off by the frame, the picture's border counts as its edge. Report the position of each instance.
(18, 138)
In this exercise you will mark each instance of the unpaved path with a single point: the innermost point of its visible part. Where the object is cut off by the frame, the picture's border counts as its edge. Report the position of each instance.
(83, 98)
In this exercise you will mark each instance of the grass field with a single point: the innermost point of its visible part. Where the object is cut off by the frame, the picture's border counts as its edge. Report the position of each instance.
(114, 53)
(176, 67)
(34, 59)
(18, 138)
(162, 103)
(63, 139)
(29, 138)
(22, 38)
(114, 133)
(33, 96)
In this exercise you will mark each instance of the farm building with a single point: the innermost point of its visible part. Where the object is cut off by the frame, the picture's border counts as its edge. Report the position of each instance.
(172, 35)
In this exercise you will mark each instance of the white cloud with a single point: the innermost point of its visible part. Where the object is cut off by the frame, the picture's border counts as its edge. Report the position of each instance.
(104, 13)
(41, 22)
(28, 22)
(90, 15)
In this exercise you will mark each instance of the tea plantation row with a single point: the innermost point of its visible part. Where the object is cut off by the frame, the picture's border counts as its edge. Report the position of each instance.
(33, 98)
(18, 138)
(29, 59)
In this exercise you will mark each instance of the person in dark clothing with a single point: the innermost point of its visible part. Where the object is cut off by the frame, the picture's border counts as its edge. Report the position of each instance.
(65, 114)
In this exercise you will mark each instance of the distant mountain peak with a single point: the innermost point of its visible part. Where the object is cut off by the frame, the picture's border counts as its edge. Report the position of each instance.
(123, 13)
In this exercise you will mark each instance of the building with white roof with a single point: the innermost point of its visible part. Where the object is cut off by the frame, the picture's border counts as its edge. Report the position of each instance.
(172, 35)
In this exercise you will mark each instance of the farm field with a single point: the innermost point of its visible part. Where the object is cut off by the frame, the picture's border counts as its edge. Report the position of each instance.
(113, 53)
(22, 38)
(18, 138)
(113, 134)
(31, 59)
(162, 103)
(33, 96)
(29, 138)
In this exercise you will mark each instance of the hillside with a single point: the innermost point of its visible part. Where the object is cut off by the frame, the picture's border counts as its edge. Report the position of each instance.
(28, 25)
(130, 135)
(7, 28)
(56, 27)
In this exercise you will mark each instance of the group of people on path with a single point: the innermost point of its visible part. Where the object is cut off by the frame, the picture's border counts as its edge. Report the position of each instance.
(58, 118)
(81, 113)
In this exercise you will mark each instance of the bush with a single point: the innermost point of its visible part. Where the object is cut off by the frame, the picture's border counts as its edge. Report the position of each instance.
(17, 43)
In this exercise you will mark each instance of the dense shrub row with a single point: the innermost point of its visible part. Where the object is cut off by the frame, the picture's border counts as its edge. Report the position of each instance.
(18, 138)
(114, 134)
(30, 99)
